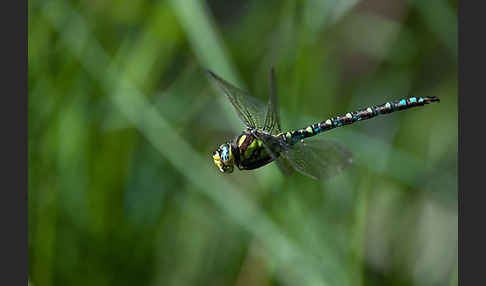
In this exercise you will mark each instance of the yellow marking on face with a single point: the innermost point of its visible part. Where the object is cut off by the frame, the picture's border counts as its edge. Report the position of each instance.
(349, 116)
(242, 139)
(309, 129)
(369, 109)
(328, 122)
(218, 163)
(216, 157)
(288, 135)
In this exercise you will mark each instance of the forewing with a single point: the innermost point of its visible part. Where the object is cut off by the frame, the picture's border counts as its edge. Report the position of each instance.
(272, 145)
(318, 158)
(272, 118)
(250, 109)
(284, 166)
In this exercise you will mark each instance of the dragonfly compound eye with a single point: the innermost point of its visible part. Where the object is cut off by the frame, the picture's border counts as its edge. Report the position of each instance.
(223, 158)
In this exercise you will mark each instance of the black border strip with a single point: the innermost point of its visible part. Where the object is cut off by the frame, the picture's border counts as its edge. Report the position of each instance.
(471, 168)
(13, 118)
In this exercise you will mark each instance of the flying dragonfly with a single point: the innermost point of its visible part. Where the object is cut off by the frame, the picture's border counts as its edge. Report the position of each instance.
(263, 142)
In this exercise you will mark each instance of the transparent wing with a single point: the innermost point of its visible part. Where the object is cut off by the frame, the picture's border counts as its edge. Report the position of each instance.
(272, 143)
(284, 166)
(250, 109)
(318, 158)
(272, 118)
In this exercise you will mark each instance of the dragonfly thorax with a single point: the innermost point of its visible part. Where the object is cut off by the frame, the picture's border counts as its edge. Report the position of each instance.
(250, 152)
(245, 151)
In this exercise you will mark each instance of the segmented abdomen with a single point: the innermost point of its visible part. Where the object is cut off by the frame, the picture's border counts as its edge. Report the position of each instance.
(352, 117)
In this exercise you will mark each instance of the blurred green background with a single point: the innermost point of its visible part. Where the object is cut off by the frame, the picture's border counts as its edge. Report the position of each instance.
(122, 122)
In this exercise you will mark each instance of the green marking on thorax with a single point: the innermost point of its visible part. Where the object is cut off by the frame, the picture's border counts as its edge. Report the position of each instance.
(250, 149)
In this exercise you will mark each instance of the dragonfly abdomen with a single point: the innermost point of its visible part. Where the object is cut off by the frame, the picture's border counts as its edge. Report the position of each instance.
(362, 114)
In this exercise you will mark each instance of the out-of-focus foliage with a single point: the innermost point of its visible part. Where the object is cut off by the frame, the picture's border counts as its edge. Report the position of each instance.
(122, 190)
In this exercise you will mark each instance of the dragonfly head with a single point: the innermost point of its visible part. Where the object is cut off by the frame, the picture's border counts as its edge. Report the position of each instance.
(224, 159)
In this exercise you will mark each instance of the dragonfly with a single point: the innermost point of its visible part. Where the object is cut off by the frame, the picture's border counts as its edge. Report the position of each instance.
(262, 141)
